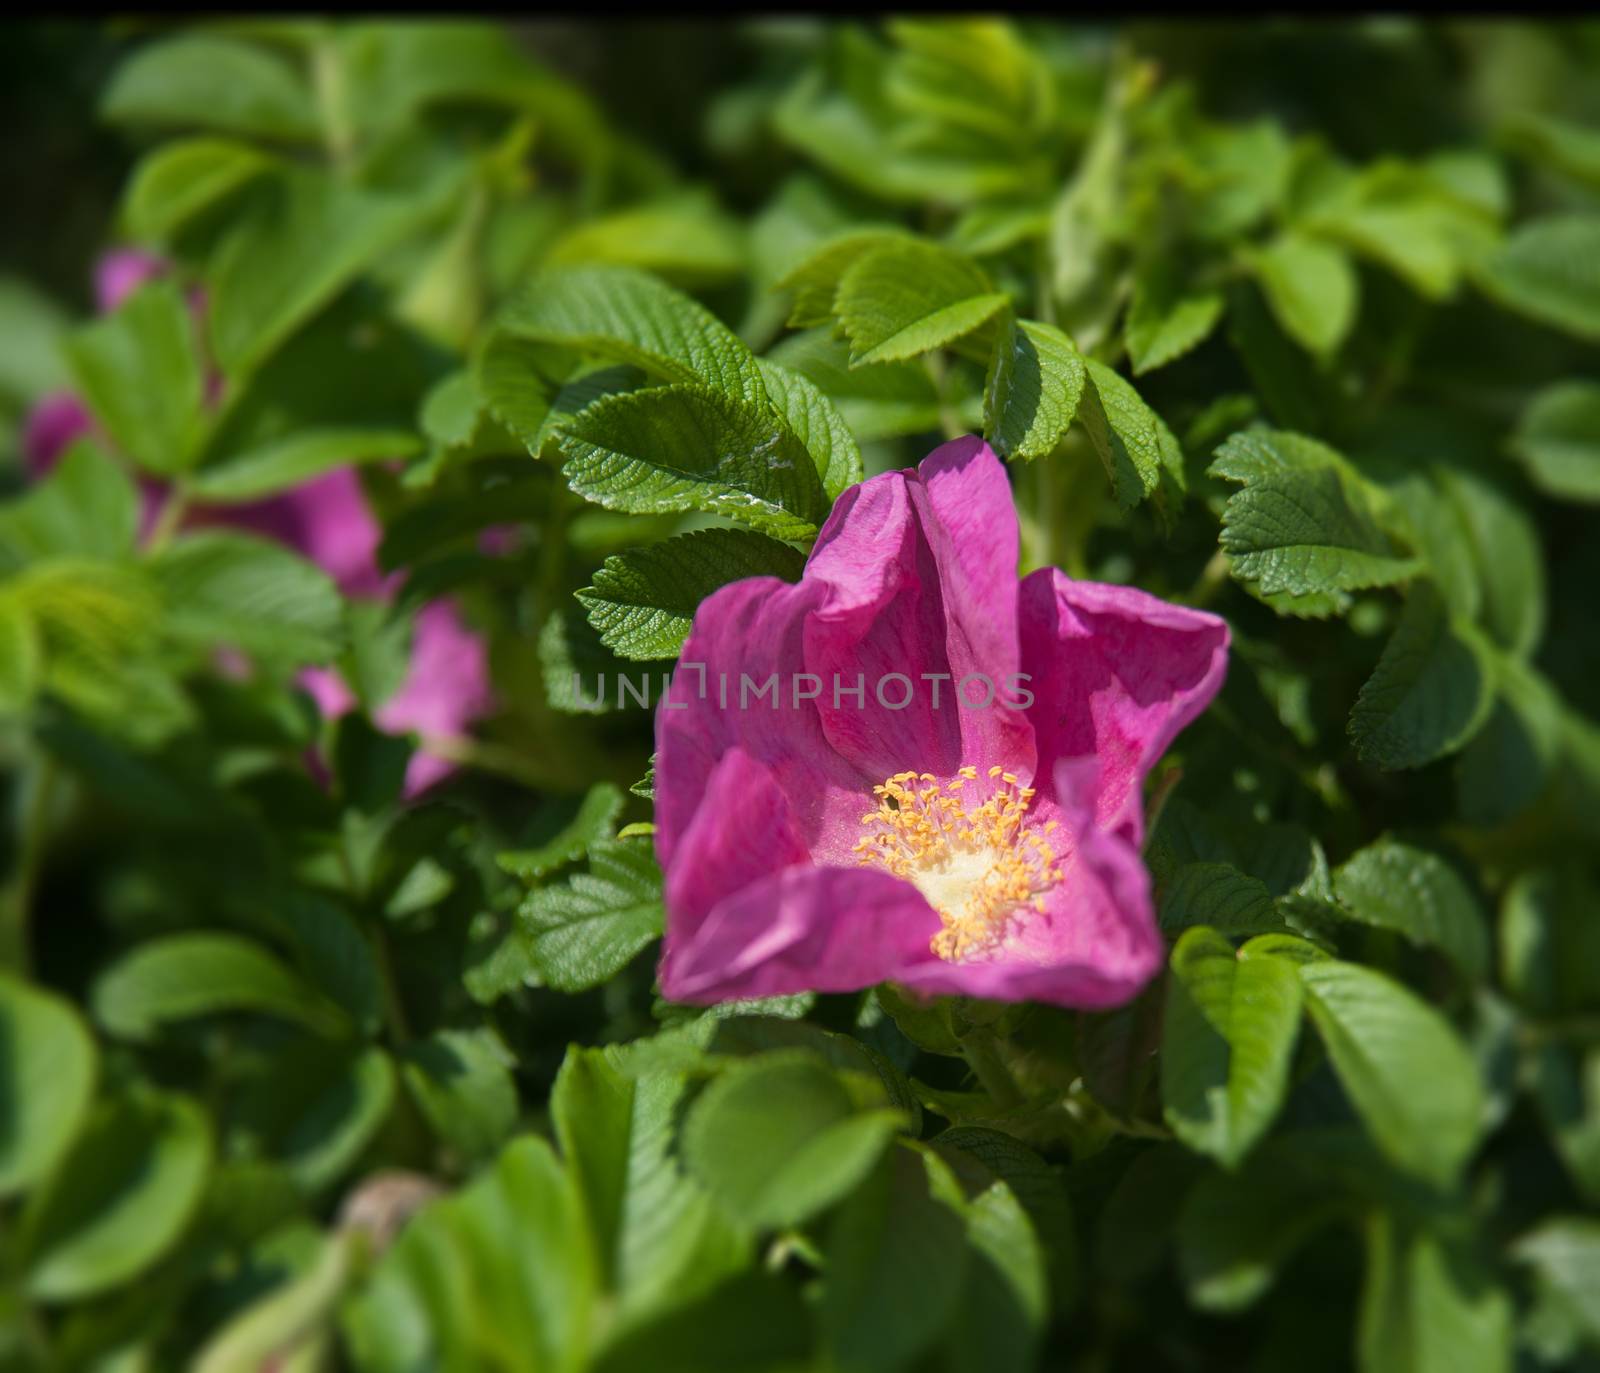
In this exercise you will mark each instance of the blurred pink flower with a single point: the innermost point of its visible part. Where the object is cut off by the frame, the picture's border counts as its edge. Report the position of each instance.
(328, 520)
(52, 426)
(816, 842)
(121, 272)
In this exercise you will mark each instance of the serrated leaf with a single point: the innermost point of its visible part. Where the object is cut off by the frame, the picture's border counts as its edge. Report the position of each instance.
(1310, 287)
(690, 448)
(900, 300)
(815, 282)
(643, 601)
(1431, 691)
(1396, 886)
(1569, 148)
(1230, 1033)
(308, 454)
(1558, 441)
(627, 316)
(1549, 270)
(588, 928)
(817, 423)
(139, 369)
(1409, 1077)
(660, 1240)
(1305, 532)
(1126, 433)
(1506, 555)
(1036, 380)
(1218, 895)
(223, 587)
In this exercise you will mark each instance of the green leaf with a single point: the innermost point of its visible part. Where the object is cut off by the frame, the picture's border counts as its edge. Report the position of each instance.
(817, 423)
(1410, 1078)
(588, 928)
(292, 1318)
(1230, 1032)
(1568, 148)
(1506, 555)
(622, 315)
(660, 1240)
(186, 975)
(899, 300)
(1549, 944)
(223, 587)
(316, 1111)
(1508, 764)
(888, 400)
(1558, 441)
(303, 238)
(1138, 450)
(1565, 1253)
(207, 81)
(1548, 271)
(48, 1067)
(461, 1081)
(1431, 691)
(777, 1138)
(1303, 526)
(140, 372)
(1310, 287)
(815, 282)
(643, 601)
(1428, 1307)
(896, 1258)
(1165, 321)
(178, 181)
(1218, 895)
(685, 239)
(596, 816)
(1237, 1230)
(689, 448)
(120, 1198)
(499, 1275)
(307, 454)
(86, 508)
(1036, 380)
(1396, 886)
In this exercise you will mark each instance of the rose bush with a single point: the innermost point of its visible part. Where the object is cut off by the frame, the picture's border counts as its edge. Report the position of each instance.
(907, 694)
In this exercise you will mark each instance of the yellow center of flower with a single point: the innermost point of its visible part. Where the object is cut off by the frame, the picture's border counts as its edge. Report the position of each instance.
(977, 863)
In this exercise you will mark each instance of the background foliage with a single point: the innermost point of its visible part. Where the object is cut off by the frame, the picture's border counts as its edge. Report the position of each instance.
(1295, 322)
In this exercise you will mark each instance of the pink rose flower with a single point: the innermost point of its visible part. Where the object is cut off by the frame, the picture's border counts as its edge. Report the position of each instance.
(817, 840)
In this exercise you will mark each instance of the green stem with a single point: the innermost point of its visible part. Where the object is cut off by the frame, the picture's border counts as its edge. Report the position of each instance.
(328, 76)
(17, 900)
(983, 1057)
(949, 421)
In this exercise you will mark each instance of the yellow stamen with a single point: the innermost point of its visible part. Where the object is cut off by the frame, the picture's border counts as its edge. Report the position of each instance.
(975, 863)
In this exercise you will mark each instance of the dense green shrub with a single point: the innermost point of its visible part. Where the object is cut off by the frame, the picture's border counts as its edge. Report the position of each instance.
(329, 1034)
